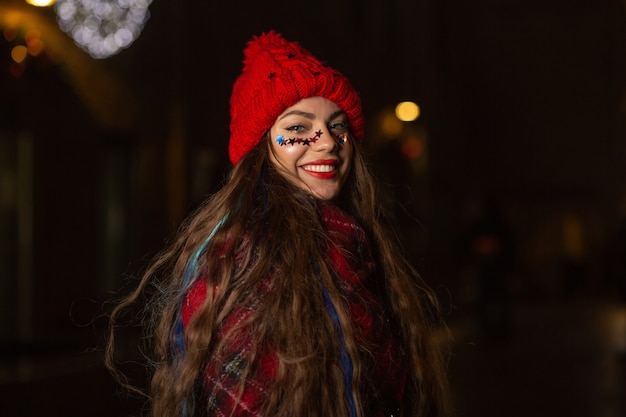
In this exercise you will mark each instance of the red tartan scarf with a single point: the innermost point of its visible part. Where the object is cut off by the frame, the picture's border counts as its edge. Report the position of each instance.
(383, 374)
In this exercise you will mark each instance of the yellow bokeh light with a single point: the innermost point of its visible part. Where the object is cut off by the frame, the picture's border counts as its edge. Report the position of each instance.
(407, 111)
(41, 3)
(11, 18)
(18, 53)
(390, 125)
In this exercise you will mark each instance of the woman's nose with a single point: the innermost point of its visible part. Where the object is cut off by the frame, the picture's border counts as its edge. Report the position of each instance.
(325, 141)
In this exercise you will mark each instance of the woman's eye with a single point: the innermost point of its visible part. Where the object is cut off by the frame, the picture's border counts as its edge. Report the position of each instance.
(295, 128)
(339, 127)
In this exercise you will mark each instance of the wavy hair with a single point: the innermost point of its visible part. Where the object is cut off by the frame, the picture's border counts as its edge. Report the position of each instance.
(261, 225)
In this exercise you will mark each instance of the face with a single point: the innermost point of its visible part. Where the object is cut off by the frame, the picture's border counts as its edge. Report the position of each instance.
(311, 147)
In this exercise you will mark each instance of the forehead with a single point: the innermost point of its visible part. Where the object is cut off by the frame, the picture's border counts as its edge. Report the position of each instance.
(312, 107)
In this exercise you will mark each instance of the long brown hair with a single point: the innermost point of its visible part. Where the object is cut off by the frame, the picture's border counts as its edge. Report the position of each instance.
(261, 225)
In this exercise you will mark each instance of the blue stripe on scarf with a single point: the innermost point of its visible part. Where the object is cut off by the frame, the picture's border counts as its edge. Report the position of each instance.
(190, 275)
(346, 362)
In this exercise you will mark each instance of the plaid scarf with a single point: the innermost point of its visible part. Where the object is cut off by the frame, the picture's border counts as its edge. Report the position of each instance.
(383, 374)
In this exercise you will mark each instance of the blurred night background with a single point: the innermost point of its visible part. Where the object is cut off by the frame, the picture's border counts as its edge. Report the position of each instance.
(508, 188)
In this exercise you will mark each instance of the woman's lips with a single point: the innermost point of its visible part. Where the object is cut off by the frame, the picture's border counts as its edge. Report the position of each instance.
(324, 169)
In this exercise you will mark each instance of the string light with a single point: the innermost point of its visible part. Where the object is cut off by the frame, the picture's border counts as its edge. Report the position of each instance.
(102, 27)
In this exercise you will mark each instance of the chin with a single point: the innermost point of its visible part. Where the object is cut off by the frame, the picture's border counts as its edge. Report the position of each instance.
(326, 196)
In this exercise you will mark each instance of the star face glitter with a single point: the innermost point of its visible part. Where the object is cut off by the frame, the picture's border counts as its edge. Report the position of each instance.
(341, 139)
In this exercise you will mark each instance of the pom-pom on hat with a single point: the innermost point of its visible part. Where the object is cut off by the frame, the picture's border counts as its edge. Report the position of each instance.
(276, 75)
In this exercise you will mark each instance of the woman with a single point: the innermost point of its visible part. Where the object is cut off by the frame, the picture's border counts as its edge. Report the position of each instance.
(285, 294)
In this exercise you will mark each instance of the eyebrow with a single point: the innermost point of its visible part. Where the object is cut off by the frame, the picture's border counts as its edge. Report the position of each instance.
(336, 114)
(298, 113)
(310, 116)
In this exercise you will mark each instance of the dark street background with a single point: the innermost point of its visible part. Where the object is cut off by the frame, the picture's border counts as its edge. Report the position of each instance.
(508, 190)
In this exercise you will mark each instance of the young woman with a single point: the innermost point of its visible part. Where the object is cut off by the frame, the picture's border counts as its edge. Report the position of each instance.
(286, 294)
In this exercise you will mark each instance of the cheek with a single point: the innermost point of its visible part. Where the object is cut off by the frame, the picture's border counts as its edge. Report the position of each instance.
(347, 155)
(286, 155)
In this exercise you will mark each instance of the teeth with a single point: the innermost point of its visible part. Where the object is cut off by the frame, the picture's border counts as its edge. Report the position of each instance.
(320, 168)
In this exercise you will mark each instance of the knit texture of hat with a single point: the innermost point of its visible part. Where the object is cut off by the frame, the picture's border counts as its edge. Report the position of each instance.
(276, 75)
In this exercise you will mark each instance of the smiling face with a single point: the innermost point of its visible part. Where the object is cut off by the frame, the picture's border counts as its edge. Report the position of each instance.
(311, 146)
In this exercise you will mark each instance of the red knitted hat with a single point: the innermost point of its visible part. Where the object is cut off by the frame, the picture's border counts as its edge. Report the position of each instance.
(276, 75)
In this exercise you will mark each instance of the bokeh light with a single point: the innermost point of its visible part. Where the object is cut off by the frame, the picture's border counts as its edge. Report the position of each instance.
(34, 44)
(413, 148)
(102, 27)
(390, 125)
(407, 111)
(18, 53)
(10, 33)
(40, 3)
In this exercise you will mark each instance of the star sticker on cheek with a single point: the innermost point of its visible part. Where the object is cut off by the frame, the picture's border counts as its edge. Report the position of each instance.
(316, 137)
(306, 142)
(291, 141)
(280, 140)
